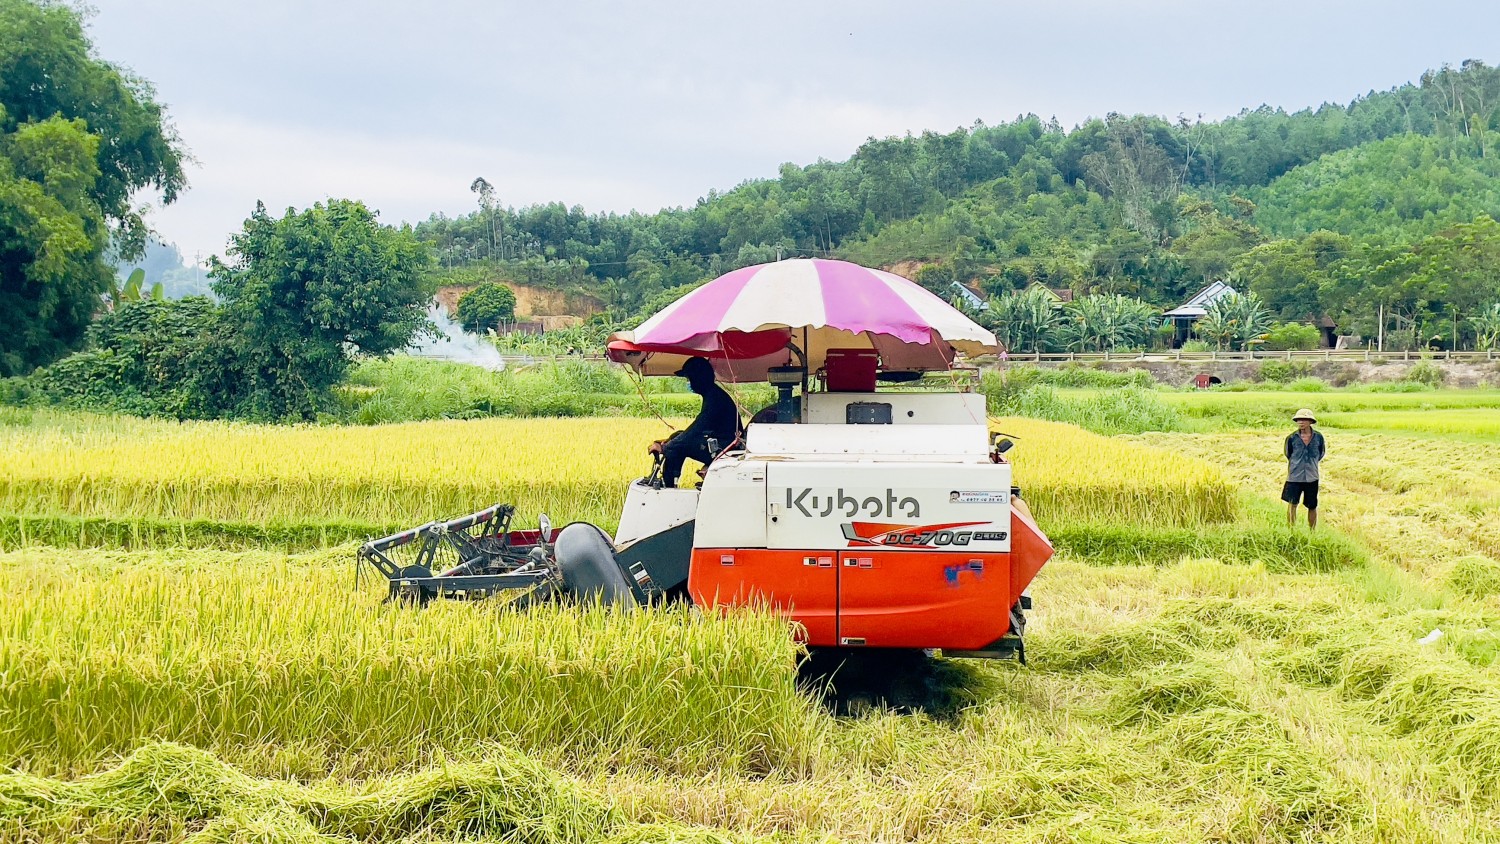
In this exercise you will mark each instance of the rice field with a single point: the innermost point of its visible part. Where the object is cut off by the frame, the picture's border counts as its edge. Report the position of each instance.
(1470, 413)
(114, 650)
(69, 468)
(184, 655)
(1480, 424)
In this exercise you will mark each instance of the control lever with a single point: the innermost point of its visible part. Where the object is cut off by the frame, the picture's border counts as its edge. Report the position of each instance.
(653, 480)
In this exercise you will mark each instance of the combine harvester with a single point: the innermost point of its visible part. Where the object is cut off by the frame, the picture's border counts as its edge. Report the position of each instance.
(872, 519)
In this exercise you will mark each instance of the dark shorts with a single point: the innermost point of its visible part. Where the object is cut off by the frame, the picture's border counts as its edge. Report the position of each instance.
(1307, 491)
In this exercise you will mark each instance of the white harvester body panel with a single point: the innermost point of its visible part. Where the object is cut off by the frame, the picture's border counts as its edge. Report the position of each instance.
(882, 443)
(906, 408)
(732, 507)
(844, 504)
(650, 510)
(839, 486)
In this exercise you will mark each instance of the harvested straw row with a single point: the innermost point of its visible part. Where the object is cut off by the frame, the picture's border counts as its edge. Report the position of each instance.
(174, 792)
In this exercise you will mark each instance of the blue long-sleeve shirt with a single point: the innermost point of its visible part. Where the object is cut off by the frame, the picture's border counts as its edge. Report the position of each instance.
(1302, 457)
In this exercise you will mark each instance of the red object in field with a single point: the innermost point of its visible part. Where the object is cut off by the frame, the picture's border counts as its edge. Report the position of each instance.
(801, 585)
(851, 370)
(1202, 381)
(879, 598)
(1030, 549)
(923, 599)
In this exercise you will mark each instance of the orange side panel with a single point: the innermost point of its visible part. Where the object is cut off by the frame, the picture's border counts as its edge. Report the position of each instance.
(923, 599)
(1030, 549)
(802, 585)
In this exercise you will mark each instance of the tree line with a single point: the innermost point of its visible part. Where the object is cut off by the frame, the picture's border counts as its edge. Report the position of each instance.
(1128, 205)
(1379, 214)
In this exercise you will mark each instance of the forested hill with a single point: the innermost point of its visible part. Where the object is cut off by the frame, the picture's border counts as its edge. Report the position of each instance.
(1134, 204)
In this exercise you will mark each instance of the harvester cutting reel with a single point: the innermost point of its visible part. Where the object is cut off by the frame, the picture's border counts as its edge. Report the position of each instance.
(480, 555)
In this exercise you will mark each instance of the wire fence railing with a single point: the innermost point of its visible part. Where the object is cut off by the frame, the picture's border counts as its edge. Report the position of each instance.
(1173, 355)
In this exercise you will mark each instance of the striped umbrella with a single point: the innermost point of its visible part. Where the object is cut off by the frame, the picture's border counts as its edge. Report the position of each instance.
(744, 320)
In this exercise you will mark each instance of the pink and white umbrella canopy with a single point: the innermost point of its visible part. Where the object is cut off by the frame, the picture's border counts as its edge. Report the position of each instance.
(743, 320)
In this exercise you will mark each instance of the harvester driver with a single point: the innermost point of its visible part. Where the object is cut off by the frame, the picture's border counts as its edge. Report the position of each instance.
(718, 420)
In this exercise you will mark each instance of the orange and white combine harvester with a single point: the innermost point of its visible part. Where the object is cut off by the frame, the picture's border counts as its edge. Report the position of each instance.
(871, 518)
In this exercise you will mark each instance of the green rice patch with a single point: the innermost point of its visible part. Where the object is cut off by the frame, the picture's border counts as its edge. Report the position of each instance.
(1282, 551)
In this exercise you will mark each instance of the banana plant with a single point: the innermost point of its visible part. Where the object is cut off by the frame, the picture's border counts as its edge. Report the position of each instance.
(131, 290)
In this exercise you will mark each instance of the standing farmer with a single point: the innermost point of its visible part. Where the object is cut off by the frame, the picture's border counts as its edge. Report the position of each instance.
(1304, 449)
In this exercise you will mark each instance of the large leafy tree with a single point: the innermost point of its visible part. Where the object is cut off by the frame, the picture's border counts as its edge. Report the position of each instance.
(51, 238)
(78, 137)
(1291, 275)
(307, 292)
(48, 68)
(1461, 265)
(1141, 166)
(1212, 240)
(486, 306)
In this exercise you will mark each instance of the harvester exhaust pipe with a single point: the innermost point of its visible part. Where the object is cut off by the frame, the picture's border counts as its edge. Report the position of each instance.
(785, 378)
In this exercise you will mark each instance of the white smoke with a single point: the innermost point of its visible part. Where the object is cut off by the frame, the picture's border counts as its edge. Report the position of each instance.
(452, 343)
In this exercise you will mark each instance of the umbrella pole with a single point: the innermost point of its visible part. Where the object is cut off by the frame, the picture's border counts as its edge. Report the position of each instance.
(805, 373)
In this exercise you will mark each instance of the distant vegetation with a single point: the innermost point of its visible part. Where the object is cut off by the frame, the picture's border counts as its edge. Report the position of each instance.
(81, 142)
(302, 296)
(164, 264)
(1378, 215)
(1381, 206)
(486, 307)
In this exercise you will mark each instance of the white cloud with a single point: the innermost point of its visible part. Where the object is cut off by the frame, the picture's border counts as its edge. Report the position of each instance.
(240, 161)
(405, 178)
(640, 106)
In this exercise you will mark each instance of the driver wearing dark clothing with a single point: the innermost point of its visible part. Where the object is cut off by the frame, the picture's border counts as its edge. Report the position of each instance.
(719, 420)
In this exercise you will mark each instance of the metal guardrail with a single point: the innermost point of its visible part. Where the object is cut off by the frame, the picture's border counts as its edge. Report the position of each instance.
(1174, 356)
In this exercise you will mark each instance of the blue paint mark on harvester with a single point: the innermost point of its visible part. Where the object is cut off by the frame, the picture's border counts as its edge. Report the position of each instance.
(952, 572)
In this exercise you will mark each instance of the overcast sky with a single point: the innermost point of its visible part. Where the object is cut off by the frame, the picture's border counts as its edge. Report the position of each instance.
(620, 106)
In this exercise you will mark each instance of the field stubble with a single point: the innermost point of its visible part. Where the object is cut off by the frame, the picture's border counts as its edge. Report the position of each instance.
(1423, 504)
(1196, 701)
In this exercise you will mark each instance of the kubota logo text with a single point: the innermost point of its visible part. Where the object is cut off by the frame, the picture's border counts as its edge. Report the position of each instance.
(848, 506)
